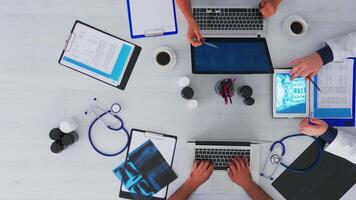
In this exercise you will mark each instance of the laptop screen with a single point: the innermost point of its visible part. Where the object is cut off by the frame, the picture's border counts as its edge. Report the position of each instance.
(232, 56)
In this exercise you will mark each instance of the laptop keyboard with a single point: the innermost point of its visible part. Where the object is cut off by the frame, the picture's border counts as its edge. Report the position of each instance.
(241, 19)
(220, 157)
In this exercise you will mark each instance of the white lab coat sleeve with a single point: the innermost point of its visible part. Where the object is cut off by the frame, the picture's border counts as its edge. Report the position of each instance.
(343, 46)
(344, 145)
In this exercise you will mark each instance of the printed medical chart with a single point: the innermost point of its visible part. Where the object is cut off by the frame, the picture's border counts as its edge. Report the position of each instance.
(336, 83)
(97, 54)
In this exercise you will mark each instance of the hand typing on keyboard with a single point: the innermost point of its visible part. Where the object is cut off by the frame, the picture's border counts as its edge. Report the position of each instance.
(238, 171)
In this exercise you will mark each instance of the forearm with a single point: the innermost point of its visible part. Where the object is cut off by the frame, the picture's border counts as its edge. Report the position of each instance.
(256, 192)
(184, 192)
(186, 8)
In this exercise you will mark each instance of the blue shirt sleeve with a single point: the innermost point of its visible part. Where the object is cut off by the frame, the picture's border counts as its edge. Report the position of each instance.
(329, 135)
(326, 54)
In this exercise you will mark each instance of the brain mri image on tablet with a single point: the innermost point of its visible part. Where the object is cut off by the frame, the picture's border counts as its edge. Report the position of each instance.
(291, 95)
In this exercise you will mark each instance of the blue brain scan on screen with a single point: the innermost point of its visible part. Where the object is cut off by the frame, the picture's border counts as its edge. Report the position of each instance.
(291, 95)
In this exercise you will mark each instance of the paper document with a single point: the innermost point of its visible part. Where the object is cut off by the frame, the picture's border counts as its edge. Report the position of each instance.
(335, 101)
(152, 17)
(97, 54)
(336, 83)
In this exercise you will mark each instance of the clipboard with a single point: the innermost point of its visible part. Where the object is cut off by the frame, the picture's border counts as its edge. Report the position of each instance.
(146, 20)
(166, 144)
(351, 121)
(99, 55)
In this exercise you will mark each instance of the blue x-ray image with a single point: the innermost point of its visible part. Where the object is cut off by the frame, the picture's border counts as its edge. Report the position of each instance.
(291, 95)
(145, 172)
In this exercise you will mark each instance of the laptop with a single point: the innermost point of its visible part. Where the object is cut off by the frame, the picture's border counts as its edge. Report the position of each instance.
(229, 20)
(220, 152)
(234, 41)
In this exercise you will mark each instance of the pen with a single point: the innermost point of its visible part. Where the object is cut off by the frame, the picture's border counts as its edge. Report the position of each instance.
(314, 84)
(206, 43)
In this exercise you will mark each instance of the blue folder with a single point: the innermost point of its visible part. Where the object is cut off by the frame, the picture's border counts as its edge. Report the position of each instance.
(143, 35)
(350, 121)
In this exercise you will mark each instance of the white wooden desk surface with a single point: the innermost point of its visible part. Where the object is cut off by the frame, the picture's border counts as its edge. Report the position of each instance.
(37, 93)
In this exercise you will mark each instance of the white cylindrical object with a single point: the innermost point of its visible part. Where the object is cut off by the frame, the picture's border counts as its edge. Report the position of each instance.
(68, 125)
(193, 104)
(184, 81)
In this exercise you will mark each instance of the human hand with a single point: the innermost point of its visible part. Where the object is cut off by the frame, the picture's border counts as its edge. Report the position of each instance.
(239, 172)
(313, 127)
(269, 7)
(194, 36)
(306, 67)
(201, 172)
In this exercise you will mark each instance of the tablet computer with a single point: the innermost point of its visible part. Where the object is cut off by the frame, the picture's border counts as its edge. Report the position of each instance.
(99, 55)
(290, 98)
(232, 56)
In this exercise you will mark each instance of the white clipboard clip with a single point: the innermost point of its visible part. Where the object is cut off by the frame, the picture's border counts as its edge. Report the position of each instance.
(154, 135)
(154, 32)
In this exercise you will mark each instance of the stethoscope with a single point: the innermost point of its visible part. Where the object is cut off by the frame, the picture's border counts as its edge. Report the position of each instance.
(113, 111)
(276, 159)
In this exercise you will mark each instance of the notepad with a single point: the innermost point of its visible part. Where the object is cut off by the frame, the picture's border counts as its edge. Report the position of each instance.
(151, 18)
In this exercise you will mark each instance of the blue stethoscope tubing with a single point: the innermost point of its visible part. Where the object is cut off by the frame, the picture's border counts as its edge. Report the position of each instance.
(111, 128)
(312, 165)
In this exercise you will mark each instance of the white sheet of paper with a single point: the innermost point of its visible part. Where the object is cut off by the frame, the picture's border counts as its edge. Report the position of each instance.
(336, 83)
(165, 147)
(150, 15)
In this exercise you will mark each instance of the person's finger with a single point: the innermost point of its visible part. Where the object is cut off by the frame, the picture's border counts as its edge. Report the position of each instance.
(194, 42)
(313, 74)
(296, 61)
(232, 166)
(245, 162)
(201, 165)
(303, 122)
(295, 71)
(230, 173)
(298, 72)
(317, 121)
(198, 35)
(306, 73)
(211, 167)
(238, 164)
(206, 165)
(195, 165)
(295, 68)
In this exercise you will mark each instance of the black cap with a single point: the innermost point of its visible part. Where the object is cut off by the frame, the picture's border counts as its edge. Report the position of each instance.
(55, 134)
(249, 101)
(57, 147)
(68, 139)
(245, 91)
(187, 93)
